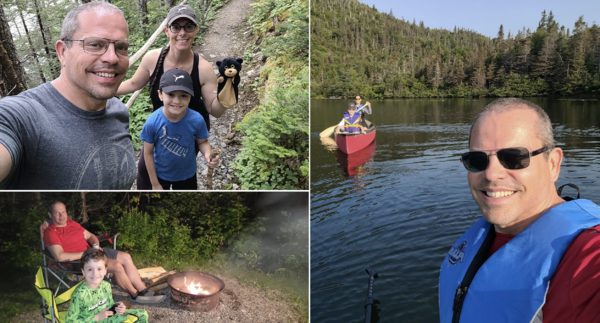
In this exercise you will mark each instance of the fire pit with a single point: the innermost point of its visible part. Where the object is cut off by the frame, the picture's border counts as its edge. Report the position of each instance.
(195, 291)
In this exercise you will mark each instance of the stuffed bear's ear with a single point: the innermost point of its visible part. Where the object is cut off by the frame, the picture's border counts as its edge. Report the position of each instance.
(239, 60)
(218, 63)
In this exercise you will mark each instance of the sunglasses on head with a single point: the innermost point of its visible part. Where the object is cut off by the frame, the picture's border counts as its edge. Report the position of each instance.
(510, 158)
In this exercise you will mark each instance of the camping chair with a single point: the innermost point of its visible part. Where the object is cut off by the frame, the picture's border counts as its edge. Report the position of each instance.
(55, 267)
(51, 311)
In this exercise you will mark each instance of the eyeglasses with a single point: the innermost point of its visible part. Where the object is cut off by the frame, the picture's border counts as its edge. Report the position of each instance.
(99, 46)
(357, 99)
(510, 158)
(188, 28)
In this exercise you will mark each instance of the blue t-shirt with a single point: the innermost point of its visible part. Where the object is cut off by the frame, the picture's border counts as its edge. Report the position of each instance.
(174, 143)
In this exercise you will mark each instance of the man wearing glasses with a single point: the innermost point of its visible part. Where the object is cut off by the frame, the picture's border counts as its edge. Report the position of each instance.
(72, 133)
(533, 257)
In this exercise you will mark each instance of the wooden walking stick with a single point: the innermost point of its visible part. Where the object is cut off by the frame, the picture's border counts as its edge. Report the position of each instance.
(215, 152)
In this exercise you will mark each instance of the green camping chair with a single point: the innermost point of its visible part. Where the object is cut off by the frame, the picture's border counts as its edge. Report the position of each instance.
(50, 302)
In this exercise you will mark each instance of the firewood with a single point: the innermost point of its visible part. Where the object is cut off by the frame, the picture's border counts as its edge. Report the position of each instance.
(158, 287)
(151, 269)
(162, 277)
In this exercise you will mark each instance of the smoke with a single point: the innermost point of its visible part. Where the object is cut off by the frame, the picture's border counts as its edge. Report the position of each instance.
(278, 240)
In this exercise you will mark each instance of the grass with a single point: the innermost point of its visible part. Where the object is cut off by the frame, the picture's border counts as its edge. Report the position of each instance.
(18, 292)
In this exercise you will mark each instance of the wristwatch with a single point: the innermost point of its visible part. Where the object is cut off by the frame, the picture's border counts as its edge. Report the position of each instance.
(96, 246)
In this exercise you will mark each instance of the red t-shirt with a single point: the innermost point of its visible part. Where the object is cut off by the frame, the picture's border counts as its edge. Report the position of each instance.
(70, 237)
(574, 293)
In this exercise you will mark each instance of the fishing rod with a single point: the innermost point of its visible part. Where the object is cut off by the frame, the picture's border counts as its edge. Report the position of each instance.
(369, 300)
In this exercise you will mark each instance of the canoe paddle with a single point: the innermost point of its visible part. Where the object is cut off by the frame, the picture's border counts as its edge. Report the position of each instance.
(327, 132)
(369, 300)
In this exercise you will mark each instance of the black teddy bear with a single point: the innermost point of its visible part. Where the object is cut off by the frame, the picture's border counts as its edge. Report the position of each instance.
(229, 79)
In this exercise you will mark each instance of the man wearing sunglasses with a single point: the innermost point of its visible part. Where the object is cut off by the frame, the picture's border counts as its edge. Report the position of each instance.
(533, 257)
(72, 133)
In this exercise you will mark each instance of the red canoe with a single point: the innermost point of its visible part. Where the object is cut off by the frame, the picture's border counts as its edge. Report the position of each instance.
(353, 142)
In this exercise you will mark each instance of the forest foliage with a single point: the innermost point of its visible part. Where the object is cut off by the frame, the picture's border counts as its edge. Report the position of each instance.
(356, 49)
(275, 153)
(177, 228)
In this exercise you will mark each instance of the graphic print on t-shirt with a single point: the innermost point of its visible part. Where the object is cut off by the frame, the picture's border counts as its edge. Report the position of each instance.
(171, 144)
(111, 164)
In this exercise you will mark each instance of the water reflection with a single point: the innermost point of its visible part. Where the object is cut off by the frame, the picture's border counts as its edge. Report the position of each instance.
(356, 166)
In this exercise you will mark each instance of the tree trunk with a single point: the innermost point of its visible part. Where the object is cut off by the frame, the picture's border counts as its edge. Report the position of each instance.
(143, 4)
(50, 55)
(12, 71)
(84, 214)
(168, 3)
(33, 53)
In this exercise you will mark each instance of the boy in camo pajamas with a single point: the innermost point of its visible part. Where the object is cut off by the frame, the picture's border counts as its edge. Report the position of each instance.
(92, 299)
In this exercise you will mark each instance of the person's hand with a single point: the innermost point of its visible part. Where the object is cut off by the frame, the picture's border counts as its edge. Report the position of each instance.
(368, 103)
(211, 163)
(44, 226)
(363, 131)
(103, 315)
(157, 187)
(121, 308)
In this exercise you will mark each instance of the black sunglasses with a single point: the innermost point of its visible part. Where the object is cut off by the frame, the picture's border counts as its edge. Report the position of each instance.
(510, 158)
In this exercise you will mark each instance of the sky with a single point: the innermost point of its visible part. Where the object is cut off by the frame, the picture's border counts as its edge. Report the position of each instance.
(485, 17)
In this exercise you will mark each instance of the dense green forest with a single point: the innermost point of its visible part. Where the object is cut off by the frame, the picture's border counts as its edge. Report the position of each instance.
(357, 50)
(265, 234)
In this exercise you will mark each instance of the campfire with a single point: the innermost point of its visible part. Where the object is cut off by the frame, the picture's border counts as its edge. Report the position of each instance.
(195, 288)
(195, 291)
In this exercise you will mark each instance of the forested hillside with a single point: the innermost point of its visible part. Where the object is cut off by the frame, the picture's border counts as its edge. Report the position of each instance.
(357, 50)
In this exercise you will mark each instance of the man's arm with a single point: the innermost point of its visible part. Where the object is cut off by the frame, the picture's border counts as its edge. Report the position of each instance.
(5, 162)
(90, 238)
(59, 254)
(209, 89)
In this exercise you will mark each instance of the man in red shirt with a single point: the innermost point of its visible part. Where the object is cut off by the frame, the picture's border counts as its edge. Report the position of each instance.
(67, 240)
(502, 269)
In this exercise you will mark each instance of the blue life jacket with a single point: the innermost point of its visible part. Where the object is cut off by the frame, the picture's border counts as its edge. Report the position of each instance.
(352, 124)
(511, 285)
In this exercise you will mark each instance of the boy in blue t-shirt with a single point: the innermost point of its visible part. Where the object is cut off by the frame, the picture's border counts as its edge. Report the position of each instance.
(170, 135)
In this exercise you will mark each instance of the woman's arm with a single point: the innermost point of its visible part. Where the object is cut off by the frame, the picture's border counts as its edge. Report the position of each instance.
(142, 74)
(149, 159)
(208, 80)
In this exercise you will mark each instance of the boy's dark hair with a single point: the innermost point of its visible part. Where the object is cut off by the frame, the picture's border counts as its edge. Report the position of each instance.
(93, 254)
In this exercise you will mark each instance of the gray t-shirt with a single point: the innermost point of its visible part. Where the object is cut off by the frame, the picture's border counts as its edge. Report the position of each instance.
(55, 145)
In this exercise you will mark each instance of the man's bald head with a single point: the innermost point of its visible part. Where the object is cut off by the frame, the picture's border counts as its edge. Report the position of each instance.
(543, 127)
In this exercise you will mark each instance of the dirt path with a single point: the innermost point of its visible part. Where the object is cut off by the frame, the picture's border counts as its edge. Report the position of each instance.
(228, 36)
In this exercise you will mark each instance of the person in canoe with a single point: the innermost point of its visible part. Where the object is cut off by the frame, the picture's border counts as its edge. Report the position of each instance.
(361, 109)
(351, 121)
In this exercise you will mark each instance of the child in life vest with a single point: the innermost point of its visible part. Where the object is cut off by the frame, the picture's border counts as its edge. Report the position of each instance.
(92, 300)
(351, 121)
(171, 133)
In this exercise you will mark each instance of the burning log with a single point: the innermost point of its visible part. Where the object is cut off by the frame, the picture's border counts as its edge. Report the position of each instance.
(209, 183)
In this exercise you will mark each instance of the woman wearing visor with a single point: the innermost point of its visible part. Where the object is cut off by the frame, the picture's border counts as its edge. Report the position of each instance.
(181, 30)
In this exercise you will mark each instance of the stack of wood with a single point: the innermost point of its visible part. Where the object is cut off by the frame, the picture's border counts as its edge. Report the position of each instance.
(155, 278)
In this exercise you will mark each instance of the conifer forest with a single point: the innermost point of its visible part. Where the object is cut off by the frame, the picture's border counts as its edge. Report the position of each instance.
(355, 49)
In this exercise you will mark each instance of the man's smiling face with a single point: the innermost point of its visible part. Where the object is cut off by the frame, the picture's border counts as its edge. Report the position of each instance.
(98, 76)
(511, 199)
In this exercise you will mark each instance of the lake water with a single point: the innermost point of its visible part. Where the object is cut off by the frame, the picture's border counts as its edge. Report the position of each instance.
(400, 204)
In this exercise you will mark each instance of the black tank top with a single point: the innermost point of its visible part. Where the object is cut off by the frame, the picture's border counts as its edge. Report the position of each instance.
(196, 104)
